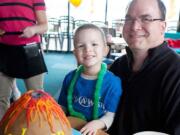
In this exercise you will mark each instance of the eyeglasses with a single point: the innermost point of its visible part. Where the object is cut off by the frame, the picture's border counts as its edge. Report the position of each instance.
(142, 20)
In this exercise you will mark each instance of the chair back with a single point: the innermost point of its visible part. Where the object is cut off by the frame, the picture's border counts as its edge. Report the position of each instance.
(54, 32)
(53, 25)
(67, 30)
(63, 21)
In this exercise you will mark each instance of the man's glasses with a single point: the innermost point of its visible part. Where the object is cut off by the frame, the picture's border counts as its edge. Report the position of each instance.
(142, 20)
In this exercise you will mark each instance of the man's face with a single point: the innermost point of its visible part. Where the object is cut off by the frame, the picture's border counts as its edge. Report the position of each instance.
(140, 31)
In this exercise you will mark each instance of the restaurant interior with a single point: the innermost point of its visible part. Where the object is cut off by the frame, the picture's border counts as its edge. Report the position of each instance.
(65, 16)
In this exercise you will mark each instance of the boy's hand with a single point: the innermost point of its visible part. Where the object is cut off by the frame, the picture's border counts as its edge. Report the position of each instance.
(91, 127)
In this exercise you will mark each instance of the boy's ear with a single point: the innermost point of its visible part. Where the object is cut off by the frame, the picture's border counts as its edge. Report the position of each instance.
(106, 50)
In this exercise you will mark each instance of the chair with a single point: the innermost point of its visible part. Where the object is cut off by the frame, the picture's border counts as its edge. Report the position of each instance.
(53, 32)
(63, 21)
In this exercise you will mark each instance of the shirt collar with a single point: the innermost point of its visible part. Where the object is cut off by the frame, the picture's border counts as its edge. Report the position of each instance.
(152, 54)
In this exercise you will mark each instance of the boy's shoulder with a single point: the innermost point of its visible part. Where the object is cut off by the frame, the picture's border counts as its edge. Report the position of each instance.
(69, 75)
(111, 77)
(72, 72)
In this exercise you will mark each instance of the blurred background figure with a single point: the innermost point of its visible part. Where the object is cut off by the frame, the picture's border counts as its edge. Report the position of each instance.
(21, 56)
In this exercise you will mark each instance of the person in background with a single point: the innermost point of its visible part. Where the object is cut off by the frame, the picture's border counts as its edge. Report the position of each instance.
(21, 24)
(150, 73)
(15, 91)
(90, 92)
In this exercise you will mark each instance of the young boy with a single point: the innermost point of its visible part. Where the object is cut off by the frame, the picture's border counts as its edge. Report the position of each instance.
(91, 92)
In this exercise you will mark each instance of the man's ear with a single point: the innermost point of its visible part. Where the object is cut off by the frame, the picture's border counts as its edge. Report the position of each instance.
(163, 27)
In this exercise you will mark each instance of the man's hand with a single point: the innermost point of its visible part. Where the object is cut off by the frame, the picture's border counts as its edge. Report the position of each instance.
(2, 32)
(28, 32)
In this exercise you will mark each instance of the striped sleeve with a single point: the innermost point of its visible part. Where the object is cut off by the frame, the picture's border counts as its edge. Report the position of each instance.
(39, 5)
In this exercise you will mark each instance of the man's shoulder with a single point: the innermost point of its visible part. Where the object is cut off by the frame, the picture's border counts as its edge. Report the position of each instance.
(119, 61)
(120, 64)
(173, 59)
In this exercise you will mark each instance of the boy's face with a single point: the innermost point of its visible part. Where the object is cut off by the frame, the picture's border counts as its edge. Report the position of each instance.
(89, 48)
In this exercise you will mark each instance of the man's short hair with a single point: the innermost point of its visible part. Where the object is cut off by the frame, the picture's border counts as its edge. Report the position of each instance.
(162, 9)
(161, 6)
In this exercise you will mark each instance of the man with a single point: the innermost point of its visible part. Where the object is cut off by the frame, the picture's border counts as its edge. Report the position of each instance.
(21, 23)
(150, 74)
